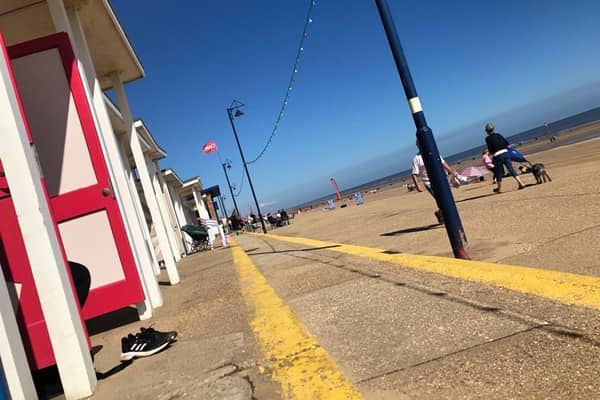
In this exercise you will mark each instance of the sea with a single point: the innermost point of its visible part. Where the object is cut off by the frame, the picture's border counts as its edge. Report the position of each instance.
(549, 129)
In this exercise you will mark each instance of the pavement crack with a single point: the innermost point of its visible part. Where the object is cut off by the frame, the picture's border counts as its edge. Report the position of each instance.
(294, 355)
(252, 387)
(553, 240)
(236, 368)
(463, 350)
(550, 327)
(323, 288)
(572, 233)
(291, 250)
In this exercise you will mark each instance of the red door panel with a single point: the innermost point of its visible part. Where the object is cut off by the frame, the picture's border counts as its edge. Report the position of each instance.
(73, 163)
(87, 217)
(16, 268)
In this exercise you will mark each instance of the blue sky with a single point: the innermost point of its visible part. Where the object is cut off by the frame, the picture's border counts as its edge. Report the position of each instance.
(518, 63)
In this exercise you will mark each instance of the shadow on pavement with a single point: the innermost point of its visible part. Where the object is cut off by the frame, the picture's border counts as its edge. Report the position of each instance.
(412, 230)
(477, 197)
(117, 368)
(473, 188)
(112, 320)
(47, 381)
(492, 194)
(292, 250)
(121, 366)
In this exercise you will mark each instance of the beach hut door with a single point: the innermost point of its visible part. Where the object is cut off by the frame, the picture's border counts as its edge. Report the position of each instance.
(87, 214)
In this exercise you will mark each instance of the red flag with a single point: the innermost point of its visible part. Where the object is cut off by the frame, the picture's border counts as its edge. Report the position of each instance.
(338, 195)
(209, 147)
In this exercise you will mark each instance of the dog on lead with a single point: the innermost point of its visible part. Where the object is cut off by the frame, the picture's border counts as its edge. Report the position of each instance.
(539, 172)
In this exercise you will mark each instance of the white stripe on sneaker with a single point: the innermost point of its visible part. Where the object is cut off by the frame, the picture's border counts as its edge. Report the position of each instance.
(151, 352)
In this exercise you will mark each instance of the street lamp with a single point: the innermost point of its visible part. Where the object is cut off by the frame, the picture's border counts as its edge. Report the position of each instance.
(235, 106)
(426, 141)
(226, 166)
(222, 201)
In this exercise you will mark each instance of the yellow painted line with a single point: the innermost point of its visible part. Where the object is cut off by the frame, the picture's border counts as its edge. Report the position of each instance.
(564, 287)
(302, 367)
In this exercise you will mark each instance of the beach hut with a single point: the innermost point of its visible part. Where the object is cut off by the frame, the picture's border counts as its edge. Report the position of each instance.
(69, 191)
(211, 195)
(171, 186)
(191, 192)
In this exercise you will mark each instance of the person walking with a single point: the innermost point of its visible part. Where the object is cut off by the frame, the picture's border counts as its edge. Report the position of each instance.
(419, 172)
(498, 147)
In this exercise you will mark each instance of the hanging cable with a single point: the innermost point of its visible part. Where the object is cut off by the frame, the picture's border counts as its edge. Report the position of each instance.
(241, 186)
(308, 21)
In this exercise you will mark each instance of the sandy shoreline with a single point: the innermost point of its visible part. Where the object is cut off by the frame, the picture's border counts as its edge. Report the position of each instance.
(530, 149)
(554, 225)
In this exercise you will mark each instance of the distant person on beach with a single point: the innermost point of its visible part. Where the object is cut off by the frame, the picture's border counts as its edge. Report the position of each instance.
(498, 147)
(419, 172)
(486, 159)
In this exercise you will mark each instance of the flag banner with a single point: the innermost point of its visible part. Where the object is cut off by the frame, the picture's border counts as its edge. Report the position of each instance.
(209, 147)
(338, 195)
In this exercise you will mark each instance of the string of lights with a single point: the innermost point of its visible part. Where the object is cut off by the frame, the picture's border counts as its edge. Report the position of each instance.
(286, 97)
(241, 186)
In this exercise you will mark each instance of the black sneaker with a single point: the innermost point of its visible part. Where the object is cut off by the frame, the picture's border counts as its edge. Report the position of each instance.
(171, 336)
(142, 345)
(127, 343)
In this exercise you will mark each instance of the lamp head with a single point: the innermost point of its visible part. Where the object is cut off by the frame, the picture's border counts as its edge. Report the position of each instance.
(238, 113)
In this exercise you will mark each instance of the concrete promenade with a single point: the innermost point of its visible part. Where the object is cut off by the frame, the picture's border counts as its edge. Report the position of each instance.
(351, 304)
(277, 318)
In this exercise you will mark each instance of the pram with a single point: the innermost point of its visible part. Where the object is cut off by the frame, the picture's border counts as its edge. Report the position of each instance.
(199, 236)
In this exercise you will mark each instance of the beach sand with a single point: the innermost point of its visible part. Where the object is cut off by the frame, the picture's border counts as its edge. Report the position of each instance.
(555, 225)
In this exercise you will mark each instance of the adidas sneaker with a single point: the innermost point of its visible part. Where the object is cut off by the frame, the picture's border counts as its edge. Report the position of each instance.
(142, 345)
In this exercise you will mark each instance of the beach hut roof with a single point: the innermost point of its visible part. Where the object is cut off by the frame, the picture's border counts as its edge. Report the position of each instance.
(110, 49)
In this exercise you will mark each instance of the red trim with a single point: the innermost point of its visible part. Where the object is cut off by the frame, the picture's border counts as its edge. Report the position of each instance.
(62, 43)
(78, 202)
(16, 262)
(104, 297)
(63, 207)
(41, 44)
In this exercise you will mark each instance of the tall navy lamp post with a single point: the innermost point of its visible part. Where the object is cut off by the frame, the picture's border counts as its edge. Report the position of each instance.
(235, 106)
(426, 141)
